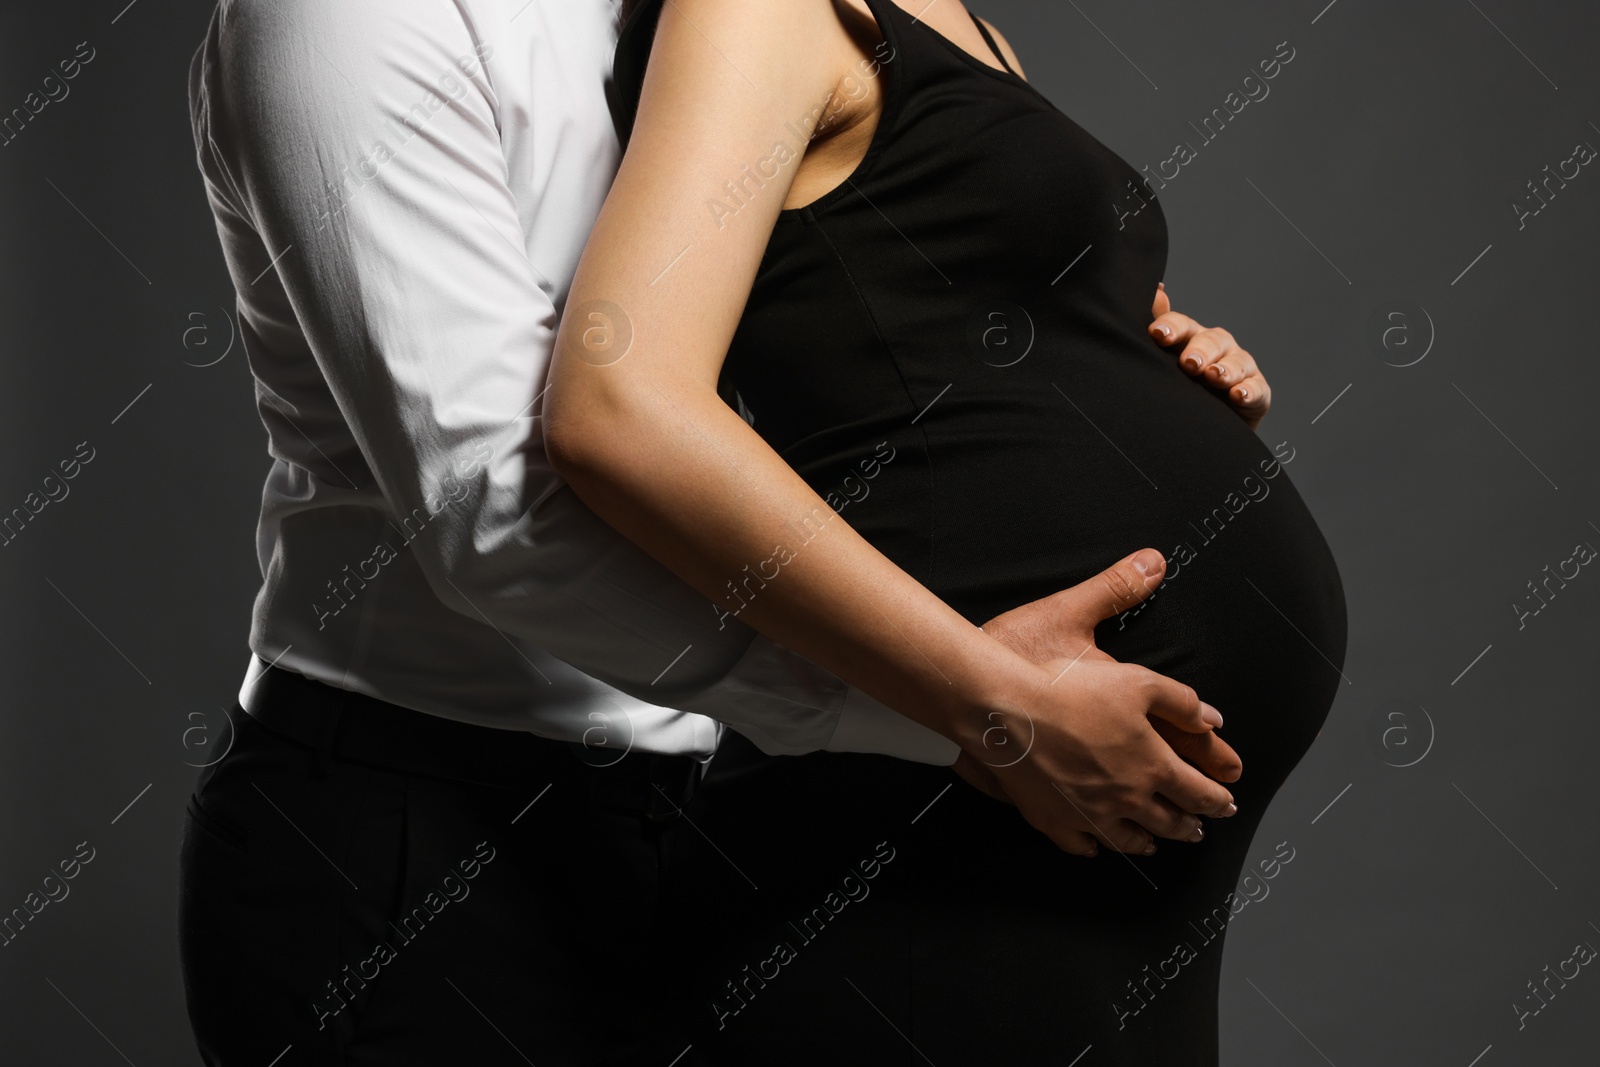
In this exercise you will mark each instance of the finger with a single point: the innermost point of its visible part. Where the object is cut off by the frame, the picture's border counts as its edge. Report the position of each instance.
(1184, 785)
(1162, 818)
(1117, 834)
(1231, 368)
(1162, 304)
(1252, 396)
(1123, 585)
(1206, 751)
(1078, 843)
(1206, 348)
(1193, 792)
(1040, 630)
(1171, 327)
(1121, 835)
(1179, 705)
(1063, 835)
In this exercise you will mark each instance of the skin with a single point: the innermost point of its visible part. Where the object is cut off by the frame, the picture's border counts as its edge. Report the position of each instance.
(643, 438)
(1211, 355)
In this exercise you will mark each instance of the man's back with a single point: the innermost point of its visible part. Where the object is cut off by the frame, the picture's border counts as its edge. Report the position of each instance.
(403, 190)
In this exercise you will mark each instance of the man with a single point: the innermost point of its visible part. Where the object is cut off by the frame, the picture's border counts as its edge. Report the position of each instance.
(473, 711)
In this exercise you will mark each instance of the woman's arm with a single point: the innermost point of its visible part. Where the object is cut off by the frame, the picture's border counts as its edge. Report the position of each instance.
(633, 421)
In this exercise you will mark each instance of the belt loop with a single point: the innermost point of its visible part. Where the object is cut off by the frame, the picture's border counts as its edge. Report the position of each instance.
(323, 750)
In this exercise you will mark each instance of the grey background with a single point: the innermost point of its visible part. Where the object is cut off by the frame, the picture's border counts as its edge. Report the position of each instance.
(1383, 165)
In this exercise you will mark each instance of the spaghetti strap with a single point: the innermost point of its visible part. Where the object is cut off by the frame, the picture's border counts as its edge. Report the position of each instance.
(989, 39)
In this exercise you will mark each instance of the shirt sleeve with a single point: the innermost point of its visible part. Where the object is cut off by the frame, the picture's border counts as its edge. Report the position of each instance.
(397, 242)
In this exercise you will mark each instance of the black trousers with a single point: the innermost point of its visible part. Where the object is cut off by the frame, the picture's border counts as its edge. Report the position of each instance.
(872, 911)
(823, 909)
(334, 911)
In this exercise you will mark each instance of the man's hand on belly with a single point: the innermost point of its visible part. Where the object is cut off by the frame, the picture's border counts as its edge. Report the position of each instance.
(1215, 358)
(1060, 629)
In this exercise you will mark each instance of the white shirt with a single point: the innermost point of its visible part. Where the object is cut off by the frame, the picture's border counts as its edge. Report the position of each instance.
(403, 189)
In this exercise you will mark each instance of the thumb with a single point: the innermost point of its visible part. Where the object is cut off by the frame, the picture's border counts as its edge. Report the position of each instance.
(1056, 626)
(1125, 584)
(1181, 706)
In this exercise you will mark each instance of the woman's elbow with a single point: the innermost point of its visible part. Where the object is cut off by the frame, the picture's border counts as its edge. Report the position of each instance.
(586, 425)
(569, 435)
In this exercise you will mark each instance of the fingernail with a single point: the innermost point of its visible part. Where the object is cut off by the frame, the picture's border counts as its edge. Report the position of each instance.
(1192, 362)
(1150, 848)
(1244, 394)
(1229, 809)
(1199, 833)
(1165, 332)
(1162, 286)
(1145, 563)
(1210, 714)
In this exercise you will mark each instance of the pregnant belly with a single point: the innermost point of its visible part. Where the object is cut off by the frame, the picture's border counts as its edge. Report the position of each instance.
(1005, 494)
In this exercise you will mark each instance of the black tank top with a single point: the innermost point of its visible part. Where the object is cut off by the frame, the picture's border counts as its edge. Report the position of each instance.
(951, 348)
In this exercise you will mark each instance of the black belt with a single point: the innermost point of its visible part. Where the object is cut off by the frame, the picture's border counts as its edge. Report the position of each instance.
(335, 723)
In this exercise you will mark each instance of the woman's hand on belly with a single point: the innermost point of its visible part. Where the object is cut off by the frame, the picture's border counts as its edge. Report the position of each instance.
(1082, 762)
(1061, 627)
(1095, 756)
(1211, 355)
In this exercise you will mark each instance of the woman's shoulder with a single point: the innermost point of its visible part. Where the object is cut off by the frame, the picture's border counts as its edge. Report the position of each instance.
(1005, 46)
(757, 41)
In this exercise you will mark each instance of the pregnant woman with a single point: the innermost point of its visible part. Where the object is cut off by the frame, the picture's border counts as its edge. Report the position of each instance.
(932, 290)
